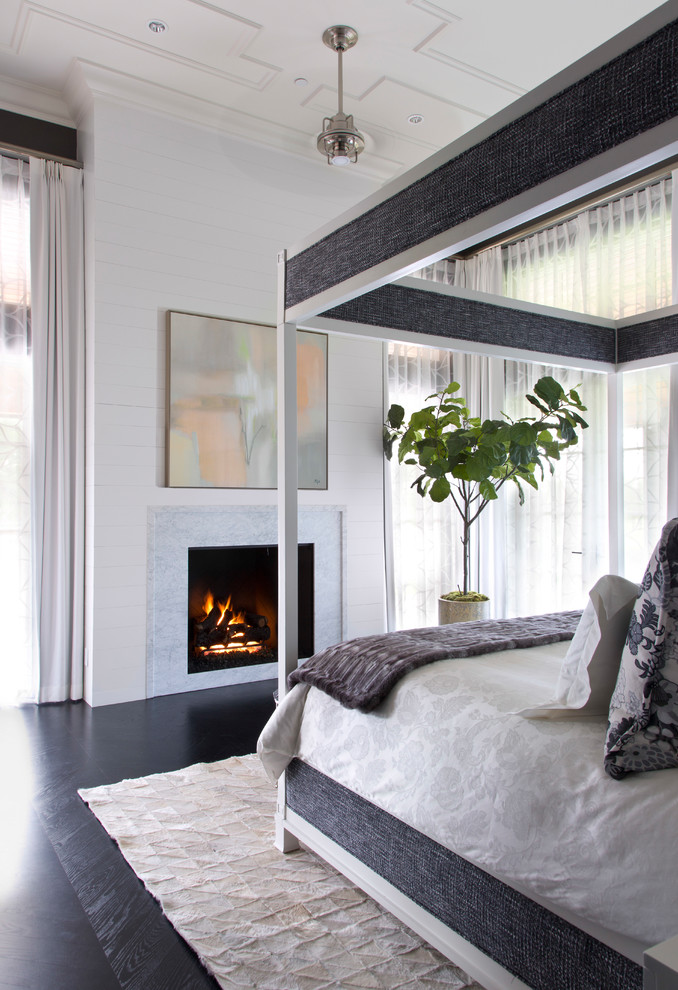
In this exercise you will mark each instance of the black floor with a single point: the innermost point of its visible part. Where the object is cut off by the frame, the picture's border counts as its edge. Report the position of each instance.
(73, 916)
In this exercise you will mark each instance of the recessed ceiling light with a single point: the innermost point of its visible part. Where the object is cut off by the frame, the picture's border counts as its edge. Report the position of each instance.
(415, 118)
(300, 81)
(157, 27)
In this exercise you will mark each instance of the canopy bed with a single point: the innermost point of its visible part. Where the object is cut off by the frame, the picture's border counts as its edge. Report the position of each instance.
(611, 117)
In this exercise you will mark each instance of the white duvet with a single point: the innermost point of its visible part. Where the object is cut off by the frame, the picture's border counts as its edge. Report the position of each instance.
(526, 799)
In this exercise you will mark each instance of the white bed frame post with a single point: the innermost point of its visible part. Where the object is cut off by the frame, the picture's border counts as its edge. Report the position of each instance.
(615, 471)
(288, 539)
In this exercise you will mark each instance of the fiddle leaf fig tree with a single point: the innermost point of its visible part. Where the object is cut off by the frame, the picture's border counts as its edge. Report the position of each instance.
(469, 460)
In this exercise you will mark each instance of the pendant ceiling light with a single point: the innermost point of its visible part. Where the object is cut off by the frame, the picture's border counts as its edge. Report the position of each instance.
(339, 141)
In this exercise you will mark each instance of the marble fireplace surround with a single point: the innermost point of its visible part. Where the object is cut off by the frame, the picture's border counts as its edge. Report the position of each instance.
(173, 529)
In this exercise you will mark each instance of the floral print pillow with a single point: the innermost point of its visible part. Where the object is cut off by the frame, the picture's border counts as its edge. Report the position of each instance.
(643, 722)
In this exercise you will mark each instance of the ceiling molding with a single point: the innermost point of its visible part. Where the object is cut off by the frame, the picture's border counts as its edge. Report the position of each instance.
(30, 10)
(428, 7)
(35, 101)
(373, 89)
(88, 81)
(471, 70)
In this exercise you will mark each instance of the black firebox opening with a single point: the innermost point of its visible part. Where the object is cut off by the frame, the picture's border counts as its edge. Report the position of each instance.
(233, 606)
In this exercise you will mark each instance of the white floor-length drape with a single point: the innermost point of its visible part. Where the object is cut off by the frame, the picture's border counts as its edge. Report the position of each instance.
(614, 260)
(556, 543)
(16, 674)
(58, 499)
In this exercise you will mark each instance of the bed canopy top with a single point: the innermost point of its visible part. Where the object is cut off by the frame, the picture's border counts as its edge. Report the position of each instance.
(610, 118)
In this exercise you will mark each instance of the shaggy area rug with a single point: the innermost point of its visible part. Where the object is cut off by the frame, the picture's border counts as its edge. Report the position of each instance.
(201, 840)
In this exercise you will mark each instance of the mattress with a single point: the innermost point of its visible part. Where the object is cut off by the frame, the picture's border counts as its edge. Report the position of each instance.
(525, 799)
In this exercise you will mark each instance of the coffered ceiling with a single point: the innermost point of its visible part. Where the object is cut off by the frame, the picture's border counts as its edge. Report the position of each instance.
(237, 64)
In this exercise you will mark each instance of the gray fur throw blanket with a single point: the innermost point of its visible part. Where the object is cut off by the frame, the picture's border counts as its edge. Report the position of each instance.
(360, 672)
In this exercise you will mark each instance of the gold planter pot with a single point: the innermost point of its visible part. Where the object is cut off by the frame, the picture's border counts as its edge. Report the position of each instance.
(461, 611)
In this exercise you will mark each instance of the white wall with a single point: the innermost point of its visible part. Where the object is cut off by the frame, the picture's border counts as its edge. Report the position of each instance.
(185, 218)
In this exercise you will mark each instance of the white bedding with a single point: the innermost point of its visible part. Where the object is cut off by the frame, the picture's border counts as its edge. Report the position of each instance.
(528, 800)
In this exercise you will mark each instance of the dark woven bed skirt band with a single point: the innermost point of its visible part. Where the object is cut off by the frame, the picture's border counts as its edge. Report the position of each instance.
(535, 945)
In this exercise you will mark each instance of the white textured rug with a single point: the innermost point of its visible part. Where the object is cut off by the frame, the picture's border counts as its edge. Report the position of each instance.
(201, 840)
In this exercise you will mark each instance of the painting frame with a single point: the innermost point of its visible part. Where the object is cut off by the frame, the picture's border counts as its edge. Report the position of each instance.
(221, 404)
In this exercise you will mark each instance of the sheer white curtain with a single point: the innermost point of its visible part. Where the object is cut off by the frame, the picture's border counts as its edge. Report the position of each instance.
(613, 261)
(16, 678)
(556, 544)
(426, 548)
(57, 283)
(646, 440)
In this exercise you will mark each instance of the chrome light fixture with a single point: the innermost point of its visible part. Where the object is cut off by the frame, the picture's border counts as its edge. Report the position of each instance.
(339, 140)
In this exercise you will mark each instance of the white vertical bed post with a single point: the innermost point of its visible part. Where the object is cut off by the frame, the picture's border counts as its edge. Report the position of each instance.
(288, 497)
(615, 470)
(672, 472)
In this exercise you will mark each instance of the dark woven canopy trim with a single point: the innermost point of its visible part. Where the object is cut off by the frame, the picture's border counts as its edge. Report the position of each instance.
(649, 339)
(399, 308)
(633, 93)
(523, 937)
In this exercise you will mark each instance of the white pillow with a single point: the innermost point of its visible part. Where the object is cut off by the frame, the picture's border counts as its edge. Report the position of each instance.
(589, 671)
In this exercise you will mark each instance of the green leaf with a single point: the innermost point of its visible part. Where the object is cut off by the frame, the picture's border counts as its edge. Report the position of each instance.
(422, 419)
(574, 397)
(440, 490)
(566, 431)
(538, 404)
(520, 455)
(582, 422)
(479, 466)
(521, 493)
(522, 433)
(487, 490)
(427, 450)
(549, 391)
(456, 443)
(388, 440)
(551, 449)
(421, 484)
(396, 416)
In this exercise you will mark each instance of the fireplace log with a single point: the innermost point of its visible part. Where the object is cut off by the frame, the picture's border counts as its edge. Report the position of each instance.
(218, 636)
(253, 619)
(210, 621)
(238, 629)
(259, 634)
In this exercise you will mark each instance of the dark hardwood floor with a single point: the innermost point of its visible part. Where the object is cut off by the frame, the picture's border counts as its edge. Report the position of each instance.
(73, 915)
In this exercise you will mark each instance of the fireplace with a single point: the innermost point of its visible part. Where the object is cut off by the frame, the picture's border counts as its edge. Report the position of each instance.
(172, 530)
(232, 606)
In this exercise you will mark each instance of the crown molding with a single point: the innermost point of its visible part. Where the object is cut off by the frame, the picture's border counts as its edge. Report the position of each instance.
(87, 82)
(35, 101)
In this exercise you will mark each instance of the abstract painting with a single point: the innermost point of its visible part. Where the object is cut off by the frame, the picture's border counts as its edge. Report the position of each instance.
(221, 407)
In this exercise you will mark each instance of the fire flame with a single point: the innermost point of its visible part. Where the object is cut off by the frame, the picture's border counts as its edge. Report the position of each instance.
(248, 646)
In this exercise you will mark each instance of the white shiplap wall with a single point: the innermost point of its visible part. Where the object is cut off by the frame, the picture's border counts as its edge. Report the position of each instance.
(185, 218)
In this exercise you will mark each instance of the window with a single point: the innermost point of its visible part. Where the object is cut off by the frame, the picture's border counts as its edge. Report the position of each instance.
(615, 261)
(15, 431)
